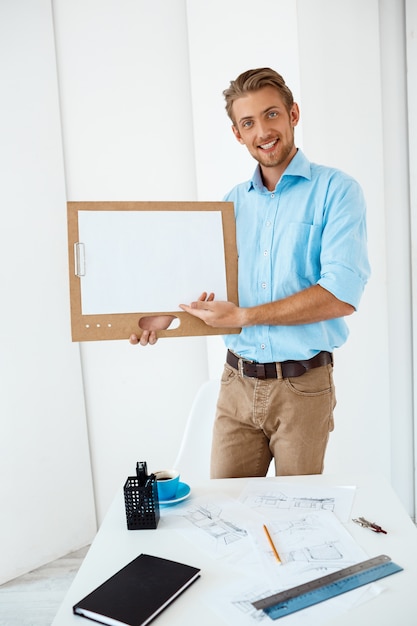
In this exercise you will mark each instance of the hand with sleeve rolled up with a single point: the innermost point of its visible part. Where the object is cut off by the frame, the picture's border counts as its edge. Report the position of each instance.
(311, 305)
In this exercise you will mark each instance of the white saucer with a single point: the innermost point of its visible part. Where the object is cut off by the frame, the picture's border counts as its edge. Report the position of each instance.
(183, 492)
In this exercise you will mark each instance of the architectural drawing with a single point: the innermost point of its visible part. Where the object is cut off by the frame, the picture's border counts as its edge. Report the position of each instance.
(209, 519)
(325, 553)
(244, 605)
(269, 497)
(311, 539)
(278, 500)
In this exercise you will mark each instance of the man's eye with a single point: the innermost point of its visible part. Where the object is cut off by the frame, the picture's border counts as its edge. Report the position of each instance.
(272, 114)
(247, 124)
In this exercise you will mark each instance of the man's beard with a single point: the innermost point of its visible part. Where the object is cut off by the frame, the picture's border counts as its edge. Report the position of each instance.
(274, 160)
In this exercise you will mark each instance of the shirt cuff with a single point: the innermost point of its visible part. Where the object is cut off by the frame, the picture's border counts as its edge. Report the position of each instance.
(345, 285)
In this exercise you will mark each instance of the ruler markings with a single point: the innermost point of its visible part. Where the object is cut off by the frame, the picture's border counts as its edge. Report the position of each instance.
(321, 589)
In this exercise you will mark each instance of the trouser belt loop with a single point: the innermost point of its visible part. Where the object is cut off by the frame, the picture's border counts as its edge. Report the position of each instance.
(240, 366)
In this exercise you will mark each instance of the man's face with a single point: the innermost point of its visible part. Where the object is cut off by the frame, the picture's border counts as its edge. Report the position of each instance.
(264, 126)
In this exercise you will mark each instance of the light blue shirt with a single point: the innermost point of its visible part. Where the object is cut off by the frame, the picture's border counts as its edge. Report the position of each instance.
(310, 230)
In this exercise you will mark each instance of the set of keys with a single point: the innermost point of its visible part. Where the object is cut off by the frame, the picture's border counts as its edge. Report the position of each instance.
(371, 525)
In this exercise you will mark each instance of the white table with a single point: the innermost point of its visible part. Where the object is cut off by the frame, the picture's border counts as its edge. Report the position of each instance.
(114, 546)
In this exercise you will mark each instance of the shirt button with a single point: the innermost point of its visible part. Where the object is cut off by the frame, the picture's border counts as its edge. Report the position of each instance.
(263, 285)
(265, 252)
(272, 195)
(268, 223)
(262, 346)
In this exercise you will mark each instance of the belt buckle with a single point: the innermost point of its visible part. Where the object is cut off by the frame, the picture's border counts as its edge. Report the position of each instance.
(251, 369)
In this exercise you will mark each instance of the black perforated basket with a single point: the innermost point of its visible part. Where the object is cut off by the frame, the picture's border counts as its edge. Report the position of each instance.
(141, 499)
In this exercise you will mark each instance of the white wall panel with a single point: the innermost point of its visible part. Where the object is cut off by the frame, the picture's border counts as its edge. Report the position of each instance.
(46, 495)
(125, 99)
(341, 107)
(411, 53)
(396, 186)
(123, 71)
(227, 38)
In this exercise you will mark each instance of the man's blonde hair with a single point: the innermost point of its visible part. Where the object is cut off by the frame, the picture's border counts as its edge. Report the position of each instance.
(253, 80)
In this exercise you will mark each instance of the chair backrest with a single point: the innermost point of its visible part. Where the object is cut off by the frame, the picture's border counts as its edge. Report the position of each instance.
(193, 459)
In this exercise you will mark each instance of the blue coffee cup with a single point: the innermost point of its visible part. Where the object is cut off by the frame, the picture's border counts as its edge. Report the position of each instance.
(167, 483)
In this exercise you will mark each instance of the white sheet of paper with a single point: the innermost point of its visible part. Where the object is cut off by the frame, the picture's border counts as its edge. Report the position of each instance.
(306, 527)
(150, 261)
(271, 497)
(219, 526)
(233, 604)
(311, 545)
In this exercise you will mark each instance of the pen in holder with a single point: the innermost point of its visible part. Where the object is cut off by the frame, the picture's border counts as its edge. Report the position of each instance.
(141, 499)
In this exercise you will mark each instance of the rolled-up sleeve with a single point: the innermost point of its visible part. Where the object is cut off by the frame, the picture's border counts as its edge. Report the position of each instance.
(344, 260)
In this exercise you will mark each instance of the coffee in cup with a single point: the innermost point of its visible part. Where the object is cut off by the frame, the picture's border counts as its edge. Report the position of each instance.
(167, 483)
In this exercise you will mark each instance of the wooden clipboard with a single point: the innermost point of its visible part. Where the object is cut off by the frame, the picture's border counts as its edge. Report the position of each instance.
(91, 278)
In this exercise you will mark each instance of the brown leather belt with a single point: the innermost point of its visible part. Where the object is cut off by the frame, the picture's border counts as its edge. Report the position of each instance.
(289, 369)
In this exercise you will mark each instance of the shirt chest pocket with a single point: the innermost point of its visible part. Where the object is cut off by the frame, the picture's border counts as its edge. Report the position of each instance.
(297, 256)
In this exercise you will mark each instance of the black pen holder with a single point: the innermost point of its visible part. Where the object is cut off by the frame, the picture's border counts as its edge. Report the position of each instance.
(141, 499)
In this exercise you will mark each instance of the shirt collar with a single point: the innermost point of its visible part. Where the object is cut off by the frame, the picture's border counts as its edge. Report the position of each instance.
(298, 166)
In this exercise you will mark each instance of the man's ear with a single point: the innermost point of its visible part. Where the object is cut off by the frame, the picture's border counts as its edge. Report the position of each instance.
(294, 114)
(237, 134)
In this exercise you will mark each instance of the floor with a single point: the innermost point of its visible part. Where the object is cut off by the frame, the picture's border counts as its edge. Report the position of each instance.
(34, 599)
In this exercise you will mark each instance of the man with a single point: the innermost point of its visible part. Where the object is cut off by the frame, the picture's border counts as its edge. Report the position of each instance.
(303, 265)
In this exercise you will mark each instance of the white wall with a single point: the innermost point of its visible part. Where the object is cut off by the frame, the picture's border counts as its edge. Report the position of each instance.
(46, 493)
(245, 36)
(341, 106)
(142, 118)
(126, 107)
(411, 53)
(397, 179)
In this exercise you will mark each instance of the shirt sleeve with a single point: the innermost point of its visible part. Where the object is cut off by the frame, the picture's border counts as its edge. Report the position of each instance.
(344, 257)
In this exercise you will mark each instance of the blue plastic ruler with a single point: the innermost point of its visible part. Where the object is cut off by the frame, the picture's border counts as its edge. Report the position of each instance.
(320, 589)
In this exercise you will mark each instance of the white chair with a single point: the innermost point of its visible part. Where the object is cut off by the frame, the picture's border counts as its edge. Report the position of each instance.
(193, 459)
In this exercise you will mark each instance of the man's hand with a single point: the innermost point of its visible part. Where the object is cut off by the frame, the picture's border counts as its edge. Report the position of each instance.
(217, 314)
(152, 323)
(311, 305)
(149, 325)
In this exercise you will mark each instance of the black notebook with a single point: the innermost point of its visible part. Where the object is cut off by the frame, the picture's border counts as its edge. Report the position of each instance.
(138, 592)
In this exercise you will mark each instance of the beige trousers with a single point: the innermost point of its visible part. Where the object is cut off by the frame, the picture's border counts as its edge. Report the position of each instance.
(285, 419)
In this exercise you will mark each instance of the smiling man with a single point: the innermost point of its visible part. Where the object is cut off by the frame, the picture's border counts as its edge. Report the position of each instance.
(264, 123)
(303, 266)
